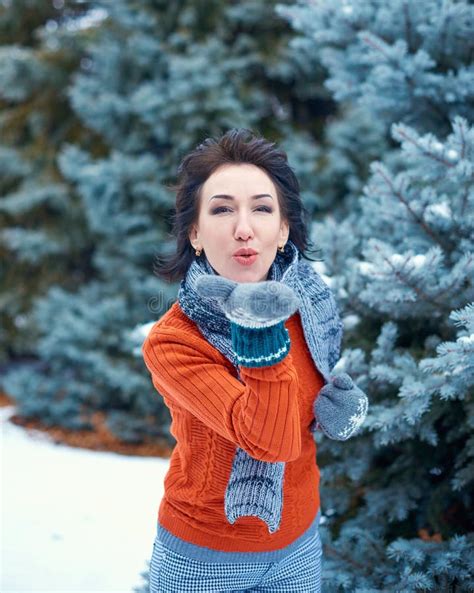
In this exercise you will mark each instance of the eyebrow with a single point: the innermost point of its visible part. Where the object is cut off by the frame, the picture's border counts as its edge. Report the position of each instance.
(227, 197)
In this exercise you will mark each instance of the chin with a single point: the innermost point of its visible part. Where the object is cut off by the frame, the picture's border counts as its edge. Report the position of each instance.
(251, 276)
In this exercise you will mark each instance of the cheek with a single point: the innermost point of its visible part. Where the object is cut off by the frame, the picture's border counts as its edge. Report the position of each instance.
(219, 232)
(212, 227)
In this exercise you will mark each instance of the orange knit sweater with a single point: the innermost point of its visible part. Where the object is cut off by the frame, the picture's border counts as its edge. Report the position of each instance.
(267, 413)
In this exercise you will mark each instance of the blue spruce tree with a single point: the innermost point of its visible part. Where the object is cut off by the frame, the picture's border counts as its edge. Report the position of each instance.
(399, 252)
(42, 240)
(156, 80)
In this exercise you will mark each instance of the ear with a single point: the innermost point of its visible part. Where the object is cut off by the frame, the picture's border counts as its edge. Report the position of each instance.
(284, 231)
(192, 234)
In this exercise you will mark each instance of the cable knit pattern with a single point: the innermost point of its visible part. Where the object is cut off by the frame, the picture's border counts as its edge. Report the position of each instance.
(264, 423)
(267, 413)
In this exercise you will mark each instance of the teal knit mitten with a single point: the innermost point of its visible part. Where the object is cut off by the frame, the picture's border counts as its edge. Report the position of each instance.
(340, 408)
(256, 311)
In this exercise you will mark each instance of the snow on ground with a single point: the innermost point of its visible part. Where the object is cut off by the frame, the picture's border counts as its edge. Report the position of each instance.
(74, 520)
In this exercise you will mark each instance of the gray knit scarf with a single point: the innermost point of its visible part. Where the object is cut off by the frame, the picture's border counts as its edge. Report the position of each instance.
(255, 487)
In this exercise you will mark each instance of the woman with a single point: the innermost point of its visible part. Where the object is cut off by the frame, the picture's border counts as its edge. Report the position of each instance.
(242, 359)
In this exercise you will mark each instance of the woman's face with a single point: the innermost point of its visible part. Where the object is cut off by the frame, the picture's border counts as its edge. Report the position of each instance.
(240, 220)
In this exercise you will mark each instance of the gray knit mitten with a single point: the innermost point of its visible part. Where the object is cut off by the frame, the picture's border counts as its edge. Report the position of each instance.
(340, 408)
(250, 304)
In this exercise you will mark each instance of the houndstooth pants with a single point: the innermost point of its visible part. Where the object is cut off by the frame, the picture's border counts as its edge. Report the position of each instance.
(300, 572)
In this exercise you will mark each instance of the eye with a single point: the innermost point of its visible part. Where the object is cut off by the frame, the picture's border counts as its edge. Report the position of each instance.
(224, 208)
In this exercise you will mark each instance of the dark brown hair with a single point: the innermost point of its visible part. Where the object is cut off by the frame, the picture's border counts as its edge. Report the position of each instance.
(238, 145)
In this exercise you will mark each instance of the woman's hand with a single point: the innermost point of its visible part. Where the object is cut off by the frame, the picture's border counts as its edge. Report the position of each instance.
(340, 408)
(250, 304)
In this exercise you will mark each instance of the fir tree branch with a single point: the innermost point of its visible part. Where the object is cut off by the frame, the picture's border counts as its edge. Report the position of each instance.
(432, 155)
(410, 82)
(331, 551)
(418, 219)
(423, 296)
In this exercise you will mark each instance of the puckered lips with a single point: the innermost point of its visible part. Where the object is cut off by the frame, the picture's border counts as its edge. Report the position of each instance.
(245, 256)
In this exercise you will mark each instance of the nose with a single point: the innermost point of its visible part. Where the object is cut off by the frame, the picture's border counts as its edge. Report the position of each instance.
(243, 228)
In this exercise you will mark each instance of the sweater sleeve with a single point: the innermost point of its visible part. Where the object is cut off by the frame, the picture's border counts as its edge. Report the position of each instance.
(259, 413)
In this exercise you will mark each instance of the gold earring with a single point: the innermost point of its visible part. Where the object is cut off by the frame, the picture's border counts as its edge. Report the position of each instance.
(281, 248)
(198, 252)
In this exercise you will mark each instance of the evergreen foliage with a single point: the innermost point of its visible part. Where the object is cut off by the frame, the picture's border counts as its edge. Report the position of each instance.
(98, 103)
(158, 77)
(400, 256)
(42, 236)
